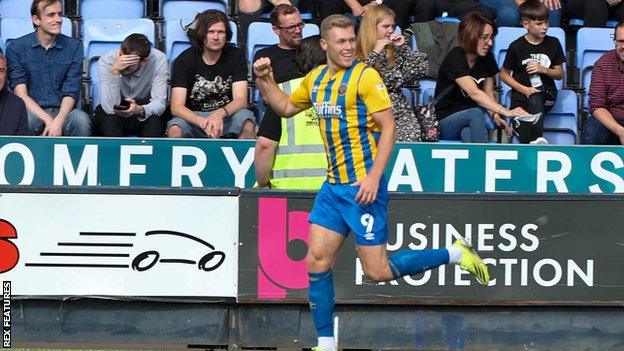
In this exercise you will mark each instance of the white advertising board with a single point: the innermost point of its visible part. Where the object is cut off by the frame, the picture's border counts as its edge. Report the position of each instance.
(119, 245)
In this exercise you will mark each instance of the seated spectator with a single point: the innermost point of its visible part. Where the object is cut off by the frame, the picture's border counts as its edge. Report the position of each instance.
(250, 11)
(605, 126)
(209, 85)
(288, 25)
(465, 84)
(135, 76)
(286, 166)
(422, 10)
(595, 13)
(532, 63)
(13, 117)
(380, 47)
(45, 70)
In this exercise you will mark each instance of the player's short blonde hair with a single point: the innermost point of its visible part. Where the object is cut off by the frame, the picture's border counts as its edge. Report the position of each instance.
(339, 21)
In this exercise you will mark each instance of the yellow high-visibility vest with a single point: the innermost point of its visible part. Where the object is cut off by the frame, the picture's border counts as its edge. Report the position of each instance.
(300, 161)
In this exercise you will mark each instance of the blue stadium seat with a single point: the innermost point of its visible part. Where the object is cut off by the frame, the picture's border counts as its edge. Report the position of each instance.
(177, 41)
(443, 19)
(561, 123)
(409, 95)
(14, 27)
(261, 35)
(14, 8)
(579, 22)
(189, 8)
(426, 90)
(306, 16)
(591, 44)
(102, 35)
(111, 8)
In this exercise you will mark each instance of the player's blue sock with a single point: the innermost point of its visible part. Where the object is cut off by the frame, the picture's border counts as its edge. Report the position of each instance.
(409, 262)
(321, 294)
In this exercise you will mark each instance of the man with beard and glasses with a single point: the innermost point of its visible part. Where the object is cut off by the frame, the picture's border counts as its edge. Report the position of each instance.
(209, 85)
(605, 126)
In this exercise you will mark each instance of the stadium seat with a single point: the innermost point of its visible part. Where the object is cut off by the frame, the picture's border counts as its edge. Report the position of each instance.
(261, 35)
(580, 23)
(426, 90)
(306, 16)
(116, 9)
(189, 8)
(14, 27)
(177, 41)
(447, 19)
(591, 44)
(14, 8)
(102, 35)
(561, 123)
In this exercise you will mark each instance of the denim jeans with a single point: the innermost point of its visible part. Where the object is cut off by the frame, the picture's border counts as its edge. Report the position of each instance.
(508, 15)
(77, 122)
(232, 125)
(468, 125)
(595, 133)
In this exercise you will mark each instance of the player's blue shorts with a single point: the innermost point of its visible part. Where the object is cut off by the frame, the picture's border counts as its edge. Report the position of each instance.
(335, 208)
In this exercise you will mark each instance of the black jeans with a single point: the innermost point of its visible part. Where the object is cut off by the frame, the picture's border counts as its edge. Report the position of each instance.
(541, 102)
(594, 13)
(117, 126)
(460, 8)
(423, 10)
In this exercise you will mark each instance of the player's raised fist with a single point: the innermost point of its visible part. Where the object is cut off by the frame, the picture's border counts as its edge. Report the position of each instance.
(262, 67)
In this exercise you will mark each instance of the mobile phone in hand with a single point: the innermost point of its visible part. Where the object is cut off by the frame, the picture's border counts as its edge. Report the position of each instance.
(123, 105)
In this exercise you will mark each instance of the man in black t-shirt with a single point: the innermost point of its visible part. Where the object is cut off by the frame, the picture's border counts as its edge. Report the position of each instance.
(288, 26)
(532, 63)
(209, 85)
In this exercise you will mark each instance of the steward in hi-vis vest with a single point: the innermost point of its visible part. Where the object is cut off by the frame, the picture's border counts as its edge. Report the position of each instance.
(300, 161)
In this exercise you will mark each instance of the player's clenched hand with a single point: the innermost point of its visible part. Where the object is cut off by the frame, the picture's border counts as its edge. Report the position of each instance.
(262, 67)
(369, 186)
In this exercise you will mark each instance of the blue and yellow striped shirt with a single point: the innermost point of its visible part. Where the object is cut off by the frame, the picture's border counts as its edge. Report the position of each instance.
(344, 104)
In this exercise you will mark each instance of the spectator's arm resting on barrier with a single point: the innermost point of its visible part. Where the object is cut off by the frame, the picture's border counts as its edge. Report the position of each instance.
(264, 158)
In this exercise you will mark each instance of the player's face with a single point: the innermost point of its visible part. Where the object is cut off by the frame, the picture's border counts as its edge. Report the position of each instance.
(49, 19)
(215, 37)
(619, 44)
(385, 28)
(535, 28)
(290, 30)
(486, 40)
(340, 46)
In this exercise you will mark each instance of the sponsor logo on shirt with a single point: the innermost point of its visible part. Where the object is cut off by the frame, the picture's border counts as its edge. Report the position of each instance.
(327, 110)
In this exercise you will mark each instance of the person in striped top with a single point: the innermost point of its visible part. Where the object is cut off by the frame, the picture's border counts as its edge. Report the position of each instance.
(605, 126)
(358, 131)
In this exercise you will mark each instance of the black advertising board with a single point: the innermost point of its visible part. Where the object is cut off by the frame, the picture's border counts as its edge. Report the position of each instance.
(541, 250)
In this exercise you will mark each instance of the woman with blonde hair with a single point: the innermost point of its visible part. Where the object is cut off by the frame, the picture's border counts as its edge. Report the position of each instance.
(381, 47)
